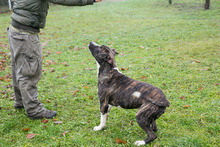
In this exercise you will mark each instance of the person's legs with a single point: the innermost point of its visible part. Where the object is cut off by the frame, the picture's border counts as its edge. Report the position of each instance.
(27, 68)
(18, 99)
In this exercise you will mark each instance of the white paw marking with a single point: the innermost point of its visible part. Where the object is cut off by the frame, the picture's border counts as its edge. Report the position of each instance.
(98, 128)
(138, 143)
(136, 94)
(102, 122)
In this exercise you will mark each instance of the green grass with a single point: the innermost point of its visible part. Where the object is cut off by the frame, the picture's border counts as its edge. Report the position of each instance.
(156, 40)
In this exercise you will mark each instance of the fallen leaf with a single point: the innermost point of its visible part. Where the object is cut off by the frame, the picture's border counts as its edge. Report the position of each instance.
(29, 136)
(12, 98)
(88, 69)
(58, 122)
(90, 97)
(144, 77)
(26, 129)
(86, 87)
(55, 119)
(164, 84)
(48, 52)
(200, 88)
(44, 121)
(52, 70)
(216, 84)
(7, 80)
(207, 69)
(64, 133)
(55, 105)
(186, 106)
(120, 141)
(122, 68)
(48, 100)
(58, 52)
(197, 61)
(84, 95)
(1, 78)
(182, 97)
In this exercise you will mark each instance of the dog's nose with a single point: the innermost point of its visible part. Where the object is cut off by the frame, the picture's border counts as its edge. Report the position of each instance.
(93, 43)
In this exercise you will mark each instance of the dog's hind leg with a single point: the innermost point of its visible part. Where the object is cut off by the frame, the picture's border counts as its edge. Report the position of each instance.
(146, 119)
(104, 116)
(154, 126)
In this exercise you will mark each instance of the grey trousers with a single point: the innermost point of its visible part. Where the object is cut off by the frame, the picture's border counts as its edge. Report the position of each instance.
(26, 53)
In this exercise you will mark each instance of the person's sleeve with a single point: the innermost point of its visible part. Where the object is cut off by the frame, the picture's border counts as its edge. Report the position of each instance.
(72, 2)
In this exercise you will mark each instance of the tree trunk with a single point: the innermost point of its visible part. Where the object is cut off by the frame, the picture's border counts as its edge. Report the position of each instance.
(170, 1)
(207, 4)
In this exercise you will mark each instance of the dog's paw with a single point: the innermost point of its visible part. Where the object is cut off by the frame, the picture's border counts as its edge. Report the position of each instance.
(97, 128)
(138, 143)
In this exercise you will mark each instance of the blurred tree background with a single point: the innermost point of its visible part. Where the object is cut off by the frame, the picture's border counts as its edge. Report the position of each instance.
(4, 6)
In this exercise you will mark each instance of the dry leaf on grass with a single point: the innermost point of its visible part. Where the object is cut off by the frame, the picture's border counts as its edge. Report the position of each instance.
(64, 133)
(26, 129)
(44, 121)
(120, 141)
(29, 136)
(186, 106)
(58, 122)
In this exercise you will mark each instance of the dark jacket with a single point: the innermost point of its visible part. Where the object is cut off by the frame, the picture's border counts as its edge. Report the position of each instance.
(31, 14)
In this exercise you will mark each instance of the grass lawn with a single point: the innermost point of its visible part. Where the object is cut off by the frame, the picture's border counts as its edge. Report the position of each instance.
(174, 47)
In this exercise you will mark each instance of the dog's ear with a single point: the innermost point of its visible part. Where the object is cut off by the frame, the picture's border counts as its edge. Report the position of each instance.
(115, 51)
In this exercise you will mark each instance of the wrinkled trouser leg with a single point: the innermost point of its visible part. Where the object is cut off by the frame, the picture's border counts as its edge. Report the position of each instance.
(26, 70)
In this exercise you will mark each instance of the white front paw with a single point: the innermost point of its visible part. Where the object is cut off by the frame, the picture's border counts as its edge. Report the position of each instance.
(97, 128)
(138, 143)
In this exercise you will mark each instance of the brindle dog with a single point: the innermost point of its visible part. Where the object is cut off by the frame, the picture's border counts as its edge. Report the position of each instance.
(116, 89)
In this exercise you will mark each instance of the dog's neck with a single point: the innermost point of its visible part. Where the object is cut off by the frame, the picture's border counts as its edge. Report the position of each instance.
(105, 71)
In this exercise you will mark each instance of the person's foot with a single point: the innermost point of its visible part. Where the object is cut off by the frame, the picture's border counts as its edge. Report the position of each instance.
(49, 114)
(18, 106)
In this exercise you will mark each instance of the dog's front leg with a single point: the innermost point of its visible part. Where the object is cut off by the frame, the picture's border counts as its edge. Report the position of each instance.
(104, 115)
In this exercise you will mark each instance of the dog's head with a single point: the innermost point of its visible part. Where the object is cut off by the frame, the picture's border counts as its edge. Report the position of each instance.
(103, 54)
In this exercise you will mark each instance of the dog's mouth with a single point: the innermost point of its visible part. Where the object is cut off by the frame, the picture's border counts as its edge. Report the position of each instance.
(93, 45)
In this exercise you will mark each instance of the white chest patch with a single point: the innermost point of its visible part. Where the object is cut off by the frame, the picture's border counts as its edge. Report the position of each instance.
(98, 66)
(116, 68)
(136, 94)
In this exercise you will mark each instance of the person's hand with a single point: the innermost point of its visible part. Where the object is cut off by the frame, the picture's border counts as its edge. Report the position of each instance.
(97, 1)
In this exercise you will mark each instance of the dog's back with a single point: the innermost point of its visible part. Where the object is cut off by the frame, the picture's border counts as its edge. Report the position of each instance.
(129, 93)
